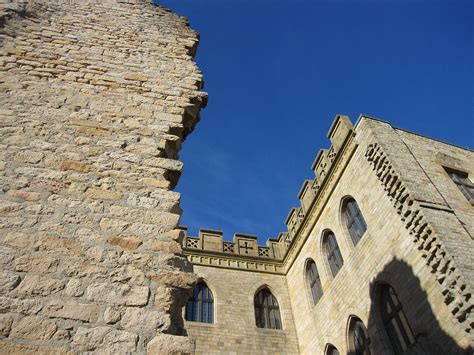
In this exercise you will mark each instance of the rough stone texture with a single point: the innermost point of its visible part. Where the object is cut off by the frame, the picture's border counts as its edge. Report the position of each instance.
(95, 100)
(172, 345)
(419, 239)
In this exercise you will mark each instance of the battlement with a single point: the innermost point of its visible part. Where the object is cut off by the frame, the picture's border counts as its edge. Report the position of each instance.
(212, 241)
(242, 244)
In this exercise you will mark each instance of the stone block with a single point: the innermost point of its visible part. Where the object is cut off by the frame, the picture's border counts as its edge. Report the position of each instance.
(29, 157)
(6, 321)
(102, 194)
(131, 243)
(40, 285)
(24, 195)
(76, 166)
(170, 344)
(34, 327)
(8, 281)
(164, 246)
(144, 320)
(27, 306)
(36, 263)
(71, 310)
(174, 278)
(112, 315)
(118, 294)
(15, 349)
(104, 340)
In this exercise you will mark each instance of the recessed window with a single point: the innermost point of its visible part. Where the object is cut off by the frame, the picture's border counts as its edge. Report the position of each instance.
(355, 222)
(331, 350)
(314, 281)
(395, 321)
(463, 183)
(200, 306)
(359, 341)
(267, 311)
(333, 254)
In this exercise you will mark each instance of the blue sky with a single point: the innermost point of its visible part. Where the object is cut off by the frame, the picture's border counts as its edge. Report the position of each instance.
(277, 72)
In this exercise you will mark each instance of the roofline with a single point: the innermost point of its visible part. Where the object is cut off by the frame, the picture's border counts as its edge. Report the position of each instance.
(361, 116)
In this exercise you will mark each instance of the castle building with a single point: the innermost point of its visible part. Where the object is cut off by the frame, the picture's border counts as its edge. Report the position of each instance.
(96, 98)
(377, 259)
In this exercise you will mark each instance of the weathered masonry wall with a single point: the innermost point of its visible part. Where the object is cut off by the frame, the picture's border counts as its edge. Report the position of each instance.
(96, 98)
(234, 329)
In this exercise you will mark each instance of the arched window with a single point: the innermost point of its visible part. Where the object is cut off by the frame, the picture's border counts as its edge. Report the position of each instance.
(333, 253)
(267, 312)
(314, 281)
(200, 306)
(395, 322)
(331, 350)
(354, 220)
(359, 342)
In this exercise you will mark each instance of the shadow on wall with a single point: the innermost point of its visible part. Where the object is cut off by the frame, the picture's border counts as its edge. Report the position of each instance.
(396, 293)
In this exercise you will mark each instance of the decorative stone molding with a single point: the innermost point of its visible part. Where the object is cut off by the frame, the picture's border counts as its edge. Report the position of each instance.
(457, 295)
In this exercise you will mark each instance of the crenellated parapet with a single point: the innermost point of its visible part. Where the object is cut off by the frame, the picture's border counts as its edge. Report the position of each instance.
(340, 131)
(242, 245)
(246, 246)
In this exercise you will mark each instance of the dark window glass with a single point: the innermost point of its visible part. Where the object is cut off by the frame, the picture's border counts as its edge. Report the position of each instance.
(267, 312)
(333, 253)
(463, 183)
(359, 338)
(395, 321)
(331, 350)
(314, 281)
(354, 220)
(200, 306)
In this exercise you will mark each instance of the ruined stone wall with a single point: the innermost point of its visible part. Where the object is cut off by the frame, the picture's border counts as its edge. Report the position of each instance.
(95, 100)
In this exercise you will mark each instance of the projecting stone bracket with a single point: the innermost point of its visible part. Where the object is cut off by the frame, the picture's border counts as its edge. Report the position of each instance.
(457, 295)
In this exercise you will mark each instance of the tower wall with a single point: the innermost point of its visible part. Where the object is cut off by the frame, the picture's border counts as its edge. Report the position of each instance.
(96, 98)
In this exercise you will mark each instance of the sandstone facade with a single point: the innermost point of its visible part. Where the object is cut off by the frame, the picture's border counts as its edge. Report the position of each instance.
(418, 240)
(96, 98)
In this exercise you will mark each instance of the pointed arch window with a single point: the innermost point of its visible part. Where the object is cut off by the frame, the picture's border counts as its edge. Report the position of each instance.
(395, 321)
(333, 253)
(200, 306)
(354, 219)
(359, 341)
(331, 350)
(314, 281)
(267, 311)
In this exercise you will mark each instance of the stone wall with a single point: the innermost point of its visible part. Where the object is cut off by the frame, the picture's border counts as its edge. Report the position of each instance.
(385, 254)
(96, 98)
(234, 330)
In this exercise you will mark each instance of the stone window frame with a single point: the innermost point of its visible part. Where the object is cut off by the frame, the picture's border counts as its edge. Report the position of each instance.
(461, 186)
(324, 252)
(280, 313)
(307, 281)
(214, 313)
(355, 323)
(355, 239)
(331, 350)
(449, 163)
